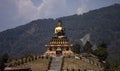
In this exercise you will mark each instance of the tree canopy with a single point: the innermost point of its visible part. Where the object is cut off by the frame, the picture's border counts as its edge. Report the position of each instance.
(101, 51)
(76, 48)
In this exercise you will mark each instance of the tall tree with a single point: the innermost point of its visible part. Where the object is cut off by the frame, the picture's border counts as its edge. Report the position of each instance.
(5, 57)
(76, 48)
(2, 64)
(88, 47)
(101, 51)
(102, 44)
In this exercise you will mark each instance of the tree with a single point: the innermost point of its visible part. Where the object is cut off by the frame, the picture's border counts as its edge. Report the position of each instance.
(101, 52)
(102, 44)
(88, 47)
(5, 57)
(76, 48)
(2, 64)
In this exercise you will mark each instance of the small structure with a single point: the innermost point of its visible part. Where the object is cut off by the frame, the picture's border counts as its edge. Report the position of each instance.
(59, 44)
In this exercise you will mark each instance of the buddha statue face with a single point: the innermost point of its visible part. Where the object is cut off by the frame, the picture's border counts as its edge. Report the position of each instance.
(59, 24)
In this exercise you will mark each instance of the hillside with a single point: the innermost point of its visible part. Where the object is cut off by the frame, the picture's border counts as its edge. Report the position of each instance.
(103, 25)
(40, 64)
(71, 63)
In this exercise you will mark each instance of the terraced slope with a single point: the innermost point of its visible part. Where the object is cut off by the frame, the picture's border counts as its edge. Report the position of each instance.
(71, 63)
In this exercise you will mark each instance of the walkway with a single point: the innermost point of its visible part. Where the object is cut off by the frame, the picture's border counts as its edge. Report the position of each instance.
(56, 64)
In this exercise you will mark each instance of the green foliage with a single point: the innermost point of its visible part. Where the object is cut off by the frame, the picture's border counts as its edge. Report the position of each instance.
(102, 44)
(88, 47)
(76, 48)
(101, 52)
(2, 64)
(5, 57)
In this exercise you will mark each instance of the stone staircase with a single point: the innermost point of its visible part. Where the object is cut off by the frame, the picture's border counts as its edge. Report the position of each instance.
(56, 64)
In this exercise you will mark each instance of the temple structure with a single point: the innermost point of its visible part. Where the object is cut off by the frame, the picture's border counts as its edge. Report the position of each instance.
(59, 44)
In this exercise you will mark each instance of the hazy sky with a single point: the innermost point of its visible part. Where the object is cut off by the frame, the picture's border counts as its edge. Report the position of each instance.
(18, 12)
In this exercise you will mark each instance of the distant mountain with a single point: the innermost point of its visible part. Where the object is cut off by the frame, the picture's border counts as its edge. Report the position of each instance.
(102, 24)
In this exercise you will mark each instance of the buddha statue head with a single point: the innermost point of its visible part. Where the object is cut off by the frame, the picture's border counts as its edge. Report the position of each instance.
(59, 24)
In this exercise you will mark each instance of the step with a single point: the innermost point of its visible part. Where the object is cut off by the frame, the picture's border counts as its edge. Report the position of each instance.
(56, 64)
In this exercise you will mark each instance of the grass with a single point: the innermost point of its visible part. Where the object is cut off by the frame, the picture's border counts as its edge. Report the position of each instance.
(71, 63)
(37, 65)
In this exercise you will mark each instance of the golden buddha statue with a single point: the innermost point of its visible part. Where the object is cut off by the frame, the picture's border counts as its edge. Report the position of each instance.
(59, 31)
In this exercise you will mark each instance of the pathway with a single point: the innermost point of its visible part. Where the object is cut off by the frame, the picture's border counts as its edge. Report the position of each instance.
(56, 64)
